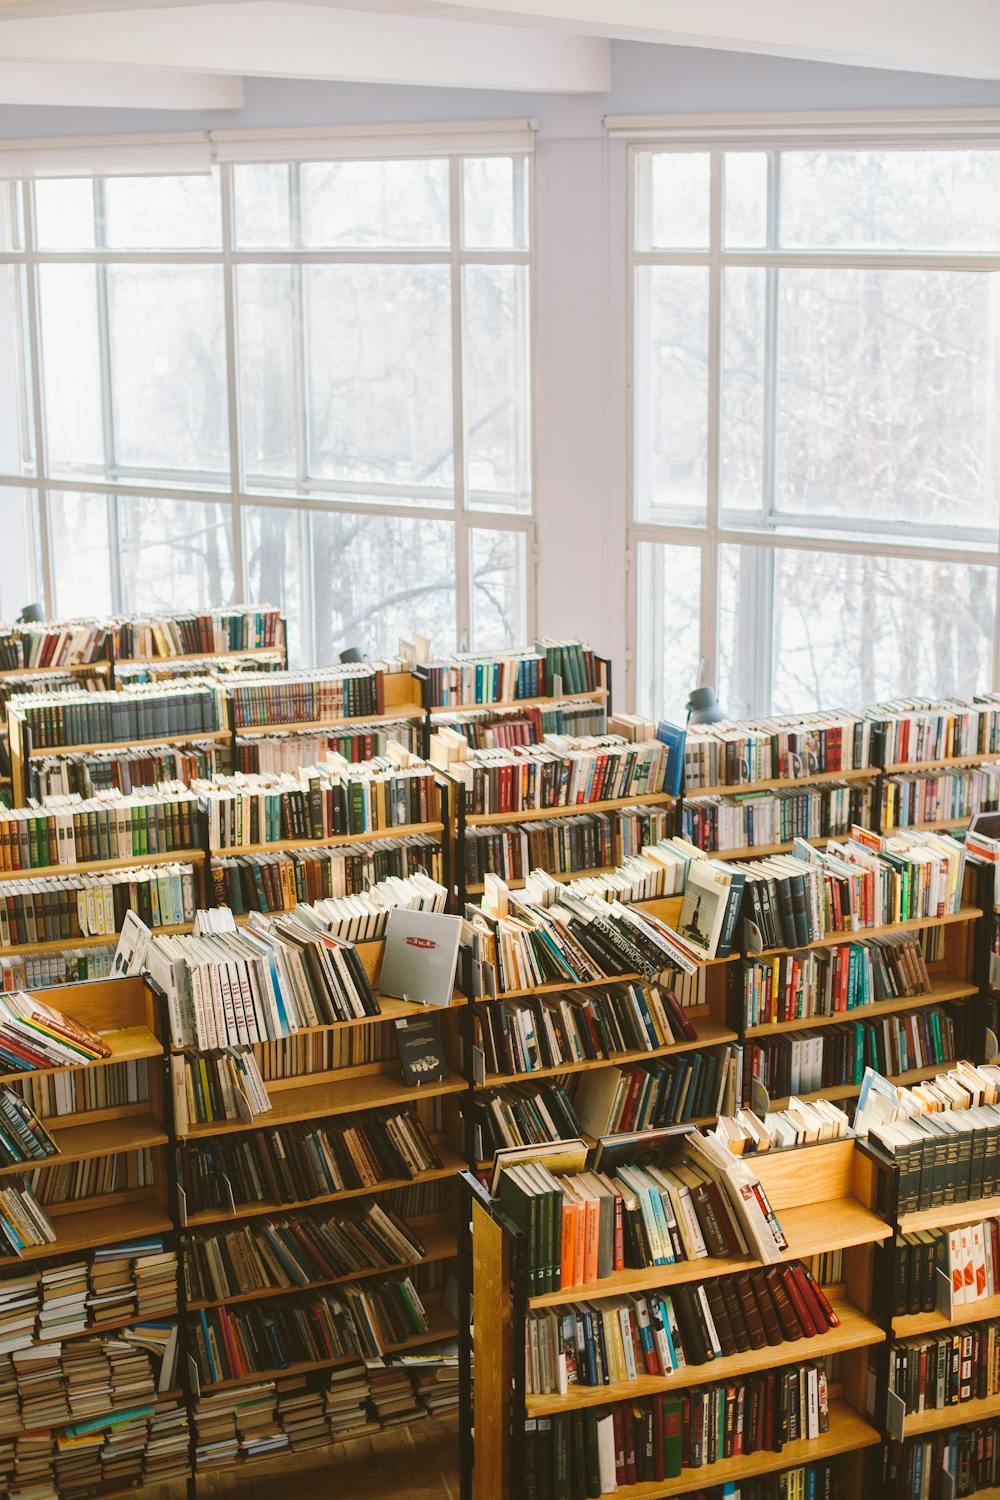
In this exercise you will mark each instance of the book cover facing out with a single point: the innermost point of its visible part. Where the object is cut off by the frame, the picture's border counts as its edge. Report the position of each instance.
(421, 951)
(421, 1051)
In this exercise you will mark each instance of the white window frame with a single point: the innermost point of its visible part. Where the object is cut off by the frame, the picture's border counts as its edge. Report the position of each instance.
(225, 149)
(719, 134)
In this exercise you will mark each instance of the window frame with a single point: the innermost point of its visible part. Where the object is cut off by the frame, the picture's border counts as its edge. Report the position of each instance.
(763, 537)
(233, 493)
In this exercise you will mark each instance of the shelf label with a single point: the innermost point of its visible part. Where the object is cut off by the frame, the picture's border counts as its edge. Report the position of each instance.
(760, 1099)
(992, 1045)
(895, 1416)
(944, 1294)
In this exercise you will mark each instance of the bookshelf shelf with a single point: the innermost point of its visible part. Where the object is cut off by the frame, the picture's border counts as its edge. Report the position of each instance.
(98, 666)
(860, 934)
(81, 1231)
(80, 1142)
(96, 866)
(317, 1100)
(835, 1091)
(213, 735)
(408, 711)
(810, 1230)
(856, 1331)
(594, 695)
(946, 825)
(917, 1423)
(477, 888)
(451, 1164)
(53, 945)
(439, 1242)
(711, 1033)
(943, 987)
(129, 1044)
(781, 783)
(324, 839)
(531, 814)
(949, 1215)
(913, 1325)
(911, 767)
(762, 851)
(158, 661)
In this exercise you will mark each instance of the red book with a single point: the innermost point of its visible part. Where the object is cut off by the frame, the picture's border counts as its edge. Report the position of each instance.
(660, 1418)
(831, 1317)
(628, 1438)
(803, 1313)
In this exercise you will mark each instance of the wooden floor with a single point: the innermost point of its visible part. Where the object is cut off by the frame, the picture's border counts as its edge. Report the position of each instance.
(411, 1463)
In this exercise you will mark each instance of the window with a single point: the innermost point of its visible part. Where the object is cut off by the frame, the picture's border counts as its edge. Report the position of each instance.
(305, 381)
(816, 427)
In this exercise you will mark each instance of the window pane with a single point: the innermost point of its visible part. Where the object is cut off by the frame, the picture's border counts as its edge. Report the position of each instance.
(175, 554)
(71, 368)
(270, 373)
(373, 579)
(741, 425)
(891, 200)
(17, 428)
(495, 202)
(383, 205)
(20, 576)
(672, 200)
(668, 602)
(746, 200)
(81, 563)
(497, 400)
(886, 626)
(11, 219)
(168, 369)
(671, 391)
(64, 213)
(886, 400)
(499, 590)
(162, 213)
(378, 365)
(262, 206)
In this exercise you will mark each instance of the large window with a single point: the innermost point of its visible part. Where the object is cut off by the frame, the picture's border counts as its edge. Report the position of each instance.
(816, 423)
(305, 382)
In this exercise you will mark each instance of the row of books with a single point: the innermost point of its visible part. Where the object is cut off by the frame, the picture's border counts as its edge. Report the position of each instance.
(670, 1091)
(502, 728)
(75, 1382)
(320, 802)
(754, 820)
(245, 628)
(222, 1085)
(521, 1036)
(124, 770)
(520, 1115)
(917, 729)
(305, 697)
(943, 1133)
(36, 1035)
(552, 668)
(288, 1254)
(360, 917)
(74, 830)
(276, 881)
(141, 711)
(946, 1369)
(23, 1137)
(946, 1464)
(117, 1283)
(564, 846)
(939, 796)
(646, 873)
(325, 1051)
(39, 971)
(865, 881)
(23, 1223)
(801, 1121)
(562, 771)
(167, 668)
(143, 1446)
(831, 981)
(233, 1343)
(53, 643)
(597, 1343)
(258, 984)
(806, 1062)
(94, 1177)
(295, 1163)
(593, 1451)
(56, 908)
(789, 747)
(290, 749)
(80, 1091)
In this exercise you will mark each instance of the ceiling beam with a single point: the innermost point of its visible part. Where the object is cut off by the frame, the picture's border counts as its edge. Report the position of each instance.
(115, 86)
(269, 38)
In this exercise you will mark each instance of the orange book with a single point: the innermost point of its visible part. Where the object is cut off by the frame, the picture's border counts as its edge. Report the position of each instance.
(567, 1261)
(592, 1237)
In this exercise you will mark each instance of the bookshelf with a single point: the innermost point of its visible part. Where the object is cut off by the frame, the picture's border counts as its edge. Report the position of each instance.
(823, 1196)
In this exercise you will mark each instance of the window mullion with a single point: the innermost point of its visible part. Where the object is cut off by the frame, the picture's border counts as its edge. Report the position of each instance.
(709, 622)
(38, 406)
(463, 536)
(237, 482)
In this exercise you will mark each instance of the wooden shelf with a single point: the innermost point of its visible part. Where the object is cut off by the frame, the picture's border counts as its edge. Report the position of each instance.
(441, 1326)
(516, 883)
(439, 1242)
(100, 940)
(531, 814)
(779, 783)
(451, 1165)
(916, 1423)
(326, 1097)
(711, 1033)
(856, 1331)
(761, 851)
(95, 866)
(848, 1432)
(912, 1325)
(939, 827)
(593, 695)
(101, 665)
(81, 1142)
(81, 1231)
(862, 934)
(146, 744)
(303, 726)
(127, 1045)
(943, 987)
(835, 1091)
(324, 839)
(813, 1229)
(949, 1215)
(151, 661)
(913, 766)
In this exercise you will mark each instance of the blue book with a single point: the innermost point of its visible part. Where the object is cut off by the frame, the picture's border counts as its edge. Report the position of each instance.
(675, 738)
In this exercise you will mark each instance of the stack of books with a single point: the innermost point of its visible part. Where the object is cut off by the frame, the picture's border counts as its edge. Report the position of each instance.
(234, 1424)
(36, 1035)
(944, 1134)
(346, 1403)
(23, 1137)
(801, 1121)
(22, 1221)
(361, 917)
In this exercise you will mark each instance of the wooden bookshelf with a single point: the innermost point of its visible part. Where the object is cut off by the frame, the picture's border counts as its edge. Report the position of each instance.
(710, 1034)
(571, 809)
(947, 763)
(860, 934)
(194, 736)
(782, 783)
(100, 940)
(511, 705)
(328, 840)
(97, 866)
(943, 987)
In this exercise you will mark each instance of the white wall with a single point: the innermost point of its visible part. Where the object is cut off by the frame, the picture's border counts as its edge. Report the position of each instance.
(580, 364)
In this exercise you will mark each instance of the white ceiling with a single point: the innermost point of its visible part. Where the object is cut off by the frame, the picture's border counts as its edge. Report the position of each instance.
(187, 54)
